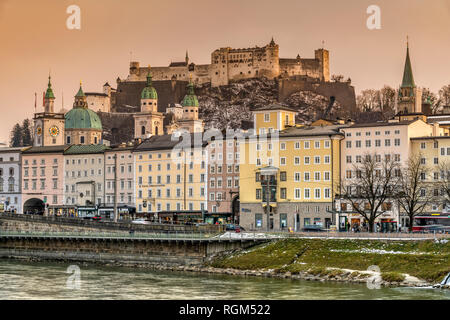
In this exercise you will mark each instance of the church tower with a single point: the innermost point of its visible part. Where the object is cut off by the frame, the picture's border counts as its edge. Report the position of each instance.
(48, 126)
(409, 96)
(149, 121)
(190, 121)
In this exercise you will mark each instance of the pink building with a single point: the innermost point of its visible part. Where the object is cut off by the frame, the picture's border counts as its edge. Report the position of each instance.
(223, 180)
(43, 180)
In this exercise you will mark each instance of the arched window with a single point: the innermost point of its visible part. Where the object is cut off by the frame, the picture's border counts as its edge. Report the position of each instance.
(81, 139)
(156, 130)
(1, 184)
(143, 130)
(95, 140)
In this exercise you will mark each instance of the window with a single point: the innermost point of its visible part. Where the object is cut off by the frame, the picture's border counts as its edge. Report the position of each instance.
(326, 159)
(258, 194)
(326, 144)
(317, 193)
(397, 142)
(283, 176)
(378, 143)
(316, 144)
(423, 145)
(307, 193)
(317, 160)
(306, 177)
(316, 176)
(283, 193)
(297, 145)
(358, 143)
(306, 145)
(348, 144)
(368, 143)
(283, 161)
(387, 142)
(306, 160)
(267, 117)
(297, 193)
(349, 159)
(297, 176)
(296, 161)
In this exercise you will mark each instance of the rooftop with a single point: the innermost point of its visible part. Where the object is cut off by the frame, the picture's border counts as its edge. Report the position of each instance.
(275, 106)
(169, 141)
(309, 131)
(86, 149)
(383, 124)
(47, 149)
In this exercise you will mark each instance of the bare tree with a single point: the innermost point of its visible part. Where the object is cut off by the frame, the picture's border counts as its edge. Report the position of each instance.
(368, 188)
(368, 100)
(444, 95)
(413, 193)
(444, 182)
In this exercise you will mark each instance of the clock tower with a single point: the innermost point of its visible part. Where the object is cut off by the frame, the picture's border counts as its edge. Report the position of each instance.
(48, 125)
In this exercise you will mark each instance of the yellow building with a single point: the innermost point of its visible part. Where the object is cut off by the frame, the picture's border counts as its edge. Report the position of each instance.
(304, 164)
(170, 181)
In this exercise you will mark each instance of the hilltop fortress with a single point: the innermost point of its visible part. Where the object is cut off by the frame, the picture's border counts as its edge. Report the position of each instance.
(228, 65)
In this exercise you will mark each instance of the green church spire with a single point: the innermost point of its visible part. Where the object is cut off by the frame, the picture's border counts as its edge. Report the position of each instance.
(408, 79)
(49, 94)
(149, 92)
(190, 99)
(80, 92)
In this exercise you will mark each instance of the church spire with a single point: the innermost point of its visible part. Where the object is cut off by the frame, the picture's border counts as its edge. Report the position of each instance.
(49, 94)
(408, 79)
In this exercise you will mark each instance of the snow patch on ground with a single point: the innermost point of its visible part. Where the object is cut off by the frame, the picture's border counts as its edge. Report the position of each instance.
(377, 251)
(245, 235)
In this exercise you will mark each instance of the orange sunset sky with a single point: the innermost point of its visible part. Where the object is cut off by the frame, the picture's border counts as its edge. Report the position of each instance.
(34, 39)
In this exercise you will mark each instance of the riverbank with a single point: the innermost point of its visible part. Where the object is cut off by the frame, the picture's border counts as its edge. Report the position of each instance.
(400, 263)
(390, 264)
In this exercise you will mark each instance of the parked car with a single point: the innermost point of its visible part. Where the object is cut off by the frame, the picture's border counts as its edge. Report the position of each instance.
(313, 228)
(234, 227)
(140, 221)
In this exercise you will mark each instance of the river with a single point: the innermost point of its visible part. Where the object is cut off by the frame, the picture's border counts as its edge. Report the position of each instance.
(24, 280)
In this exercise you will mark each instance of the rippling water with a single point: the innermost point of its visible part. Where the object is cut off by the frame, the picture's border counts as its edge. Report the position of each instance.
(20, 280)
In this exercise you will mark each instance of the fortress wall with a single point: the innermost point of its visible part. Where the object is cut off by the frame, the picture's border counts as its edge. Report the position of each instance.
(342, 91)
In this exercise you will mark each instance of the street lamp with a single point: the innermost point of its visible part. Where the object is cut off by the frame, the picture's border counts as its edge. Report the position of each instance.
(268, 172)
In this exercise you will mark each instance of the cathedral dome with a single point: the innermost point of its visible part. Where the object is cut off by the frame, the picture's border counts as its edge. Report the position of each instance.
(82, 118)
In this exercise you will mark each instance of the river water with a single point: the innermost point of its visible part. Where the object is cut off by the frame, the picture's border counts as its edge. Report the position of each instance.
(23, 280)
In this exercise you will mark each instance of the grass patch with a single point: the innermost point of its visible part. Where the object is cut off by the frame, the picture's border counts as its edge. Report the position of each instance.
(424, 259)
(392, 276)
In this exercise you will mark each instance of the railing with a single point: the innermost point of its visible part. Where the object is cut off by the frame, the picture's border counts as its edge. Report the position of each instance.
(121, 225)
(109, 235)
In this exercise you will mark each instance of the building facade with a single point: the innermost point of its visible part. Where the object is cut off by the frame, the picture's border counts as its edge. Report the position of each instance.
(43, 180)
(84, 182)
(120, 185)
(169, 176)
(304, 173)
(10, 180)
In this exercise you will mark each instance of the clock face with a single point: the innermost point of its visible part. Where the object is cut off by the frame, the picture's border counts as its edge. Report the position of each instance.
(39, 131)
(54, 131)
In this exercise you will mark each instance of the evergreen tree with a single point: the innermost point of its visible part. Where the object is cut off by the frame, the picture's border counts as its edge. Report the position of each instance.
(16, 136)
(26, 133)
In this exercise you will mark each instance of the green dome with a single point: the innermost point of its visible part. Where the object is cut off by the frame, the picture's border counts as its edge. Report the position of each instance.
(190, 99)
(149, 92)
(82, 118)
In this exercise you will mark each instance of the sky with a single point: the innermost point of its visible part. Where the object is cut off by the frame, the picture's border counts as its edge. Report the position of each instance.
(34, 41)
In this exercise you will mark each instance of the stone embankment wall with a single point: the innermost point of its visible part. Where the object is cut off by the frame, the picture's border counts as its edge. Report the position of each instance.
(150, 252)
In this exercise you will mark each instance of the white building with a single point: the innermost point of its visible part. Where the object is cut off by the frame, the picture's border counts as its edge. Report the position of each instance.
(383, 139)
(10, 180)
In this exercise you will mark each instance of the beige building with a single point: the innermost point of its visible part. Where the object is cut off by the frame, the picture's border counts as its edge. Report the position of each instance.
(84, 178)
(119, 185)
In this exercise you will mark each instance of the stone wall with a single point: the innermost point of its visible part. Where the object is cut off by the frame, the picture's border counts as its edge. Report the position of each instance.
(343, 92)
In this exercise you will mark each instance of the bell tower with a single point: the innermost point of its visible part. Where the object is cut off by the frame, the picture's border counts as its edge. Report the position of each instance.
(149, 121)
(48, 126)
(409, 96)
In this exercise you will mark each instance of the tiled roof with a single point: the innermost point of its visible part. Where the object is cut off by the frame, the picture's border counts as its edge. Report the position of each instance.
(47, 149)
(165, 142)
(382, 124)
(311, 131)
(86, 149)
(275, 106)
